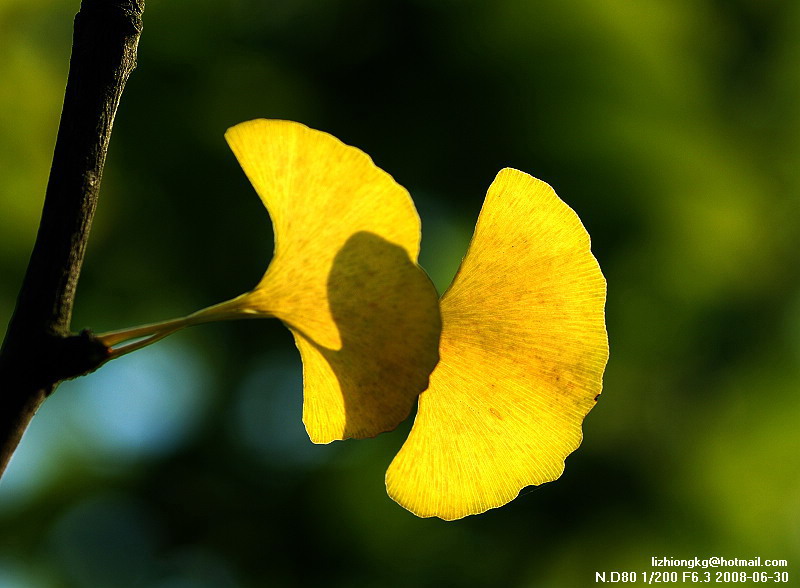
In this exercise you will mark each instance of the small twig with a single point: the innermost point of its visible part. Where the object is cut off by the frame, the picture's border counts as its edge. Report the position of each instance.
(38, 351)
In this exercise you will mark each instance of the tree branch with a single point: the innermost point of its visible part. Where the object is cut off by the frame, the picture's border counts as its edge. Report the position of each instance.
(38, 351)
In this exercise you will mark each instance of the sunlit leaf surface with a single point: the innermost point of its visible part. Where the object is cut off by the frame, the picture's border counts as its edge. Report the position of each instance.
(523, 350)
(344, 277)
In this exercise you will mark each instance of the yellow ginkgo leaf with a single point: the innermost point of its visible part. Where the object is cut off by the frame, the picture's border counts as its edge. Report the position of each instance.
(523, 350)
(343, 278)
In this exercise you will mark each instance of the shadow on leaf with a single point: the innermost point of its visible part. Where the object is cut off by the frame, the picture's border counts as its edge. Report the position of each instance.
(387, 312)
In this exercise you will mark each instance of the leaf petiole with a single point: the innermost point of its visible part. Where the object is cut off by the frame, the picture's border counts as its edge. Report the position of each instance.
(145, 335)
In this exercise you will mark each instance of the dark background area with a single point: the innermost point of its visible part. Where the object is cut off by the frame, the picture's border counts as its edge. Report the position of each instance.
(671, 127)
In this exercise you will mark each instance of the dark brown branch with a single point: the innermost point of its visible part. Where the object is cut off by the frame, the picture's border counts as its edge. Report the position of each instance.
(39, 351)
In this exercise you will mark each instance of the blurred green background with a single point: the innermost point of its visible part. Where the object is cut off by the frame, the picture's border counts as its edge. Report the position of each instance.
(672, 127)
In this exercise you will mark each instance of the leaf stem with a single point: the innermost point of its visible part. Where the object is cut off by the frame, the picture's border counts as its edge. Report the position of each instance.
(114, 337)
(148, 334)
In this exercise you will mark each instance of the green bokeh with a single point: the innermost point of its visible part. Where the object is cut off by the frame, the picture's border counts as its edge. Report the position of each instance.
(673, 129)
